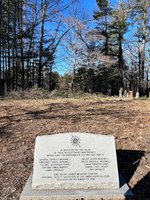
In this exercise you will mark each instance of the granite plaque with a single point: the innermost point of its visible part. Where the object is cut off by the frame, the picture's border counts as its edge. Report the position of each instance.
(75, 161)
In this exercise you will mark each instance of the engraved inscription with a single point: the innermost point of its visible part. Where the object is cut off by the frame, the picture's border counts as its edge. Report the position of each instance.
(75, 161)
(60, 160)
(78, 176)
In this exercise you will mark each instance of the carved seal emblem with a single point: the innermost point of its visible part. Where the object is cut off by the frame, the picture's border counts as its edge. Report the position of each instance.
(75, 140)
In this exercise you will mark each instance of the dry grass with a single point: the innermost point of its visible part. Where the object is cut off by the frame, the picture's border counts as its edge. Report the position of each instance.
(22, 120)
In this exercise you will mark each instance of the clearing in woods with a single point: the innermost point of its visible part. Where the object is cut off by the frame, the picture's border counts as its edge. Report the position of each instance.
(22, 120)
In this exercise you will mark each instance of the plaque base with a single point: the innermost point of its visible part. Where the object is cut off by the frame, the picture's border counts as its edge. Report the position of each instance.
(108, 194)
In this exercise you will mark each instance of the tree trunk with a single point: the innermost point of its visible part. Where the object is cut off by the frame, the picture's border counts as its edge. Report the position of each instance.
(142, 68)
(8, 47)
(20, 26)
(120, 61)
(73, 69)
(0, 39)
(43, 8)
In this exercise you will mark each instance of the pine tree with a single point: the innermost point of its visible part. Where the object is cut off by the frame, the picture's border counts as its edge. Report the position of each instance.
(102, 16)
(140, 10)
(118, 28)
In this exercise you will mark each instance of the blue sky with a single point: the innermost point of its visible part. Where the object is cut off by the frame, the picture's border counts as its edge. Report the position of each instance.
(88, 6)
(92, 5)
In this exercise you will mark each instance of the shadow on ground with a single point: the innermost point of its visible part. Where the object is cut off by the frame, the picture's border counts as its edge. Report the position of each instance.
(142, 188)
(68, 111)
(128, 161)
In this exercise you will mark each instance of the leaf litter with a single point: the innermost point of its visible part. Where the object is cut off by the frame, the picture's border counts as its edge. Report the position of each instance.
(22, 120)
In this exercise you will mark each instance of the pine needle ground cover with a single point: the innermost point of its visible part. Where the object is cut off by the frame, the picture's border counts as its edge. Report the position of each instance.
(22, 120)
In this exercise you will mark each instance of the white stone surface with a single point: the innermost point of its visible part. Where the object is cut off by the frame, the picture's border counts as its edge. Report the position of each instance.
(137, 95)
(122, 193)
(75, 161)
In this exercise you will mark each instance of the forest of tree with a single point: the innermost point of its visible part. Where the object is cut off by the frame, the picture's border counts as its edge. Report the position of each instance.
(108, 51)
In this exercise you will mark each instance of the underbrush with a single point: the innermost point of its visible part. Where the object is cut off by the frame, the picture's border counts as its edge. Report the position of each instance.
(34, 93)
(39, 93)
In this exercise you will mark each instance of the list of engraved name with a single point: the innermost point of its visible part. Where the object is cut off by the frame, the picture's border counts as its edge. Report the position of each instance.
(58, 162)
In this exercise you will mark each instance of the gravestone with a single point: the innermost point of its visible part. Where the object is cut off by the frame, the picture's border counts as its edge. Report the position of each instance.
(75, 161)
(125, 93)
(130, 94)
(121, 92)
(137, 95)
(72, 166)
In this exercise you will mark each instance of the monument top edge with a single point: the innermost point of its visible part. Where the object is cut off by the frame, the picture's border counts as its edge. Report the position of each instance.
(77, 133)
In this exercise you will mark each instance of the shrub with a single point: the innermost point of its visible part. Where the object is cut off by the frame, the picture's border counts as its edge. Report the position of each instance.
(34, 93)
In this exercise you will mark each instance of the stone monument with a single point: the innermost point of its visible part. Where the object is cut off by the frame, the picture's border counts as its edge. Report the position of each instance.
(121, 93)
(130, 94)
(137, 95)
(74, 166)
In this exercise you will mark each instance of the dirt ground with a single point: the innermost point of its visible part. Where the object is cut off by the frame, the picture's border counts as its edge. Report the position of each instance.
(22, 120)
